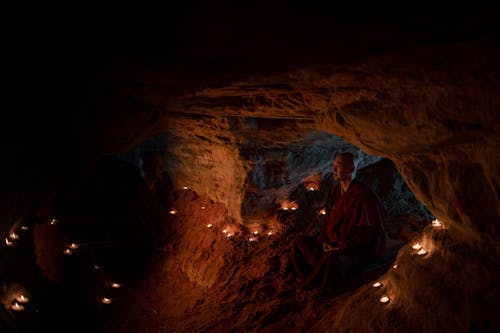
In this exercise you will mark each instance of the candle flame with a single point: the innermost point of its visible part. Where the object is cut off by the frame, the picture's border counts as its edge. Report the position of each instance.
(68, 251)
(285, 208)
(255, 232)
(384, 299)
(251, 239)
(395, 266)
(377, 284)
(17, 307)
(294, 208)
(73, 246)
(96, 266)
(106, 300)
(436, 223)
(229, 235)
(185, 188)
(22, 299)
(270, 233)
(421, 252)
(54, 221)
(8, 242)
(323, 211)
(203, 207)
(173, 212)
(115, 285)
(209, 225)
(24, 228)
(311, 188)
(416, 246)
(224, 231)
(14, 236)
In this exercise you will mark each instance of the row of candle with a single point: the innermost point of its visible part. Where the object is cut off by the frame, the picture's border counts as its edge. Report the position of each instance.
(420, 251)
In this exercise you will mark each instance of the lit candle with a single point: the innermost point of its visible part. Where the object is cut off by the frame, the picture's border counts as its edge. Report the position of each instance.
(323, 211)
(54, 222)
(377, 284)
(106, 300)
(8, 242)
(24, 228)
(14, 236)
(73, 246)
(416, 246)
(294, 208)
(209, 225)
(384, 299)
(229, 235)
(436, 223)
(17, 307)
(224, 231)
(251, 239)
(96, 266)
(173, 212)
(22, 299)
(421, 252)
(68, 251)
(115, 285)
(395, 266)
(203, 207)
(311, 188)
(255, 233)
(285, 208)
(270, 233)
(185, 188)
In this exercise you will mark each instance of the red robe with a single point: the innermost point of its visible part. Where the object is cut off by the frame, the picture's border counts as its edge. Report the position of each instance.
(355, 224)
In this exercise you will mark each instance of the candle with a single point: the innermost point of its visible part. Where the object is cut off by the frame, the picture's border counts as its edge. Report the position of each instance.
(436, 223)
(17, 307)
(73, 246)
(229, 235)
(224, 231)
(421, 252)
(115, 285)
(24, 228)
(173, 212)
(209, 225)
(96, 266)
(384, 299)
(8, 242)
(255, 233)
(294, 208)
(323, 211)
(416, 246)
(22, 299)
(311, 188)
(106, 300)
(285, 208)
(185, 188)
(54, 222)
(68, 251)
(203, 207)
(270, 233)
(251, 239)
(395, 266)
(14, 236)
(377, 284)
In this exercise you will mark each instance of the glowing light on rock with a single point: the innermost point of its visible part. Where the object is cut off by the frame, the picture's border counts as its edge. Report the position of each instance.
(270, 233)
(14, 236)
(384, 299)
(377, 284)
(322, 212)
(106, 300)
(416, 246)
(185, 188)
(395, 266)
(255, 232)
(224, 231)
(436, 223)
(229, 235)
(68, 252)
(8, 242)
(251, 239)
(22, 299)
(17, 307)
(115, 285)
(421, 252)
(209, 225)
(73, 246)
(203, 207)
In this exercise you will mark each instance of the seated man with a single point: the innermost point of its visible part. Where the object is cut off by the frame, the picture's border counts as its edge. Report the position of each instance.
(353, 233)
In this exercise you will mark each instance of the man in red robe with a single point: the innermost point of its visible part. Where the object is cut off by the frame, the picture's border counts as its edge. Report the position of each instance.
(353, 233)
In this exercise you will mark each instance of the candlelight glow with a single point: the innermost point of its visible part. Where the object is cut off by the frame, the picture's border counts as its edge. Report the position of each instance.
(294, 208)
(285, 208)
(377, 284)
(255, 232)
(106, 300)
(436, 223)
(203, 207)
(251, 239)
(311, 188)
(229, 235)
(416, 246)
(17, 307)
(421, 252)
(96, 266)
(185, 188)
(115, 285)
(54, 222)
(22, 299)
(173, 212)
(323, 211)
(224, 231)
(270, 233)
(24, 228)
(73, 246)
(8, 242)
(14, 236)
(209, 225)
(384, 299)
(395, 266)
(68, 251)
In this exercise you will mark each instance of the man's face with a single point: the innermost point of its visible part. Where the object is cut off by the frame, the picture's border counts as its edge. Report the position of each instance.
(343, 168)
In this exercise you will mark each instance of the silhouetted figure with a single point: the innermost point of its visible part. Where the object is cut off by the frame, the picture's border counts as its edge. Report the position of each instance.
(353, 233)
